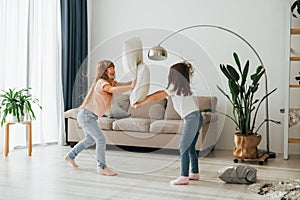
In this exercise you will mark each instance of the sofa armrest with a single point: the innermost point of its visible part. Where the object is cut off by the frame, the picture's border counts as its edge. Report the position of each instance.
(72, 113)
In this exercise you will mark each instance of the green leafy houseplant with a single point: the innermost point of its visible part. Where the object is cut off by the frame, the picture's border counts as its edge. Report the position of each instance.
(244, 104)
(295, 5)
(17, 103)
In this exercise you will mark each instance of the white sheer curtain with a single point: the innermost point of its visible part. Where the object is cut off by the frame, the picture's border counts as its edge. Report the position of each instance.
(30, 56)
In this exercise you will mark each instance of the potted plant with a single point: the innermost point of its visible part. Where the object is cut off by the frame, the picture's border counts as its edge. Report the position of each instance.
(17, 103)
(245, 106)
(295, 5)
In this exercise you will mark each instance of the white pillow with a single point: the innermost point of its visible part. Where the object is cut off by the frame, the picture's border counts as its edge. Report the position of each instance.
(132, 55)
(141, 88)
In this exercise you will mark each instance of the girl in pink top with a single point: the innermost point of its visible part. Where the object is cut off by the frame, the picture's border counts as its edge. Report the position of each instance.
(97, 101)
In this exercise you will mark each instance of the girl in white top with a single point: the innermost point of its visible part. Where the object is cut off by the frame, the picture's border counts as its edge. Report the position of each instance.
(180, 91)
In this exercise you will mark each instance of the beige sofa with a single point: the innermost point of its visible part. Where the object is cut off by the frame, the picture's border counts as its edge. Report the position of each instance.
(156, 125)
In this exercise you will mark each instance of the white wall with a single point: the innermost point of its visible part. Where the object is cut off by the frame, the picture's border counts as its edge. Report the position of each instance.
(263, 23)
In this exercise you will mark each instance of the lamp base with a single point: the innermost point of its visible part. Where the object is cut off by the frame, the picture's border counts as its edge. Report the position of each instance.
(272, 154)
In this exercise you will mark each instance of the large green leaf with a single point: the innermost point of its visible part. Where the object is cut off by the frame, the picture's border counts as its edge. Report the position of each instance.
(237, 61)
(225, 71)
(257, 75)
(245, 73)
(233, 73)
(234, 88)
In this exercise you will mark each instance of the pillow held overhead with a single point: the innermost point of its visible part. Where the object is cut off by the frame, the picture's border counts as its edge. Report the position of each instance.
(133, 64)
(132, 55)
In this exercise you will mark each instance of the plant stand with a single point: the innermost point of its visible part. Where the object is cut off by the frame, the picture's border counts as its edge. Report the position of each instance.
(6, 149)
(260, 160)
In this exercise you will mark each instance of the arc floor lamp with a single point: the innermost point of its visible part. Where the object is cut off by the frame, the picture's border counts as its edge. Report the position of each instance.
(159, 53)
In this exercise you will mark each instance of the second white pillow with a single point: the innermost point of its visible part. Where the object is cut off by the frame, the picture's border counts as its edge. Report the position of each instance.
(141, 89)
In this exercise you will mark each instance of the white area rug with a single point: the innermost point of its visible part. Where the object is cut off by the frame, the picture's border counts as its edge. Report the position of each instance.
(281, 190)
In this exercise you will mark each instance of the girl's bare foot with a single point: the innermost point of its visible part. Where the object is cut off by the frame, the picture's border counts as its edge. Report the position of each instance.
(182, 180)
(194, 176)
(106, 172)
(71, 162)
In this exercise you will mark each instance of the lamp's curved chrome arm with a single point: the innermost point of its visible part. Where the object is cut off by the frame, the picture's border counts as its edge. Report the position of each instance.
(218, 27)
(252, 48)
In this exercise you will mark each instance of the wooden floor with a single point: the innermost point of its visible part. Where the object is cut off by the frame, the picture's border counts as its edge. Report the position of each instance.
(142, 176)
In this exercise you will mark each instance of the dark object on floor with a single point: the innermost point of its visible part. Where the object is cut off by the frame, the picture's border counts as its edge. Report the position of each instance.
(241, 174)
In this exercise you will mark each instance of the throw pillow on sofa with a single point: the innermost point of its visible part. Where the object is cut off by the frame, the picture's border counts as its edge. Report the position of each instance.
(154, 110)
(116, 112)
(119, 107)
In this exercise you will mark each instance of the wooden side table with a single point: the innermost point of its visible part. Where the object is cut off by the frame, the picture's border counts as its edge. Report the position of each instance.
(6, 148)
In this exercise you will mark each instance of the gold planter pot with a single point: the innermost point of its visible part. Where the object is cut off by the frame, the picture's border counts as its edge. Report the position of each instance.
(246, 146)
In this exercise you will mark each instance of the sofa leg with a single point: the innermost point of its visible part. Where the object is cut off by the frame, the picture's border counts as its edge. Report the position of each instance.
(72, 144)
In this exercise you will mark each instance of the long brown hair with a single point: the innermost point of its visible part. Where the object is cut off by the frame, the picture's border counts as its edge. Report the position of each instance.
(179, 77)
(101, 74)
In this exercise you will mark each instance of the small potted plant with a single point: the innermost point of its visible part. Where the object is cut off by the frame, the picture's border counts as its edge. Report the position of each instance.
(295, 5)
(245, 106)
(16, 104)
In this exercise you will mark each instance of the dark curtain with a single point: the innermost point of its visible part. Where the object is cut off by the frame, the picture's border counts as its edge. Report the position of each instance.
(74, 51)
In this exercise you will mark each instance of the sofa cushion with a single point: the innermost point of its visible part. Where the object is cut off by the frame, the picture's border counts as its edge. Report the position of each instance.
(176, 125)
(132, 124)
(155, 110)
(167, 126)
(203, 102)
(119, 107)
(105, 123)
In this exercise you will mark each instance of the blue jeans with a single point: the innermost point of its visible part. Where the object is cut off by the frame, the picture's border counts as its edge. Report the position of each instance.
(93, 134)
(193, 123)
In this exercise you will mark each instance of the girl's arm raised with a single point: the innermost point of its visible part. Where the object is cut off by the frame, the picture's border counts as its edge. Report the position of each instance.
(151, 98)
(123, 83)
(119, 89)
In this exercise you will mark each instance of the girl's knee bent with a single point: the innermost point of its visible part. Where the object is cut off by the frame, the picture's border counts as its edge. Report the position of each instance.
(88, 142)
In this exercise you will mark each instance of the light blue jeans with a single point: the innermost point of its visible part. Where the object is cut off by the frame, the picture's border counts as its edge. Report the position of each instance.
(193, 123)
(93, 134)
